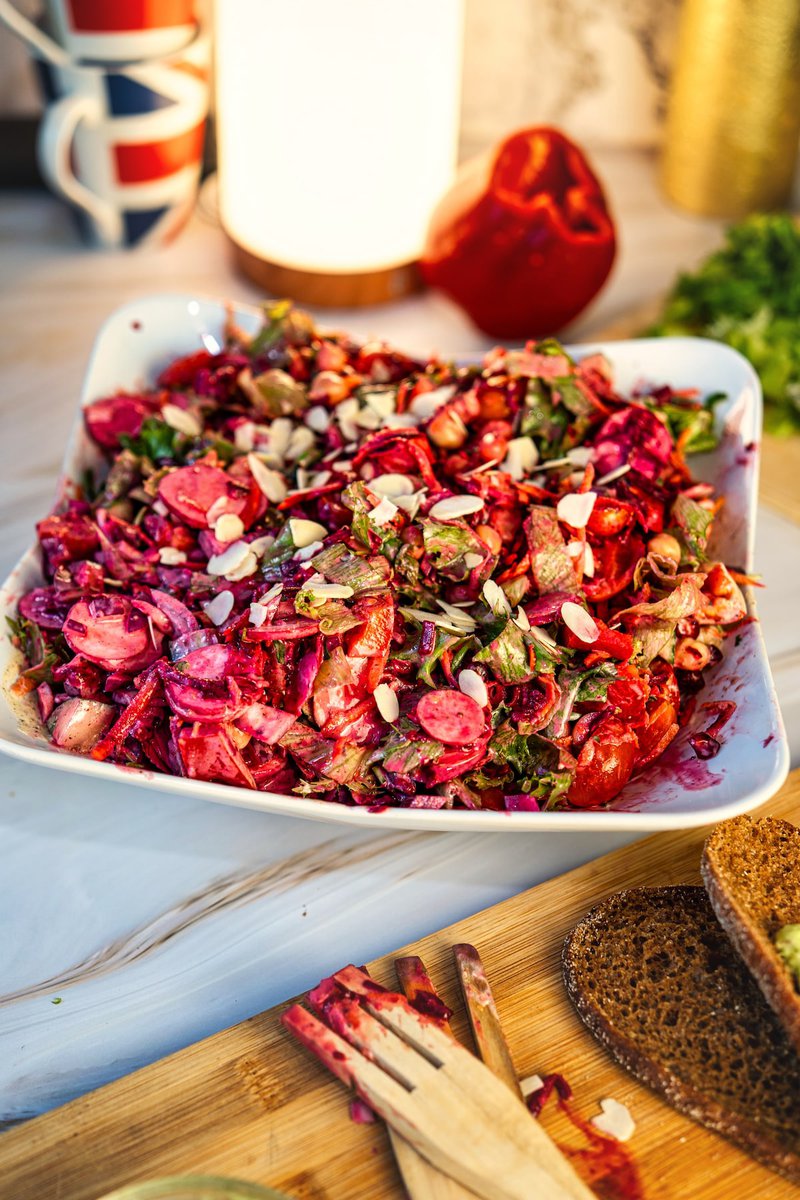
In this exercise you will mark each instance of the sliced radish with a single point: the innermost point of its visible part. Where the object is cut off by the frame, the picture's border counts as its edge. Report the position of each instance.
(201, 701)
(112, 632)
(579, 621)
(450, 717)
(189, 493)
(216, 662)
(175, 610)
(108, 419)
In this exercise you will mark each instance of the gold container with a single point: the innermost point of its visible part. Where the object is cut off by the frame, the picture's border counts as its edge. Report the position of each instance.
(733, 117)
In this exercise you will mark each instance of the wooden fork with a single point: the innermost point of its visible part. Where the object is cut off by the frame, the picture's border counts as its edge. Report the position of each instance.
(432, 1091)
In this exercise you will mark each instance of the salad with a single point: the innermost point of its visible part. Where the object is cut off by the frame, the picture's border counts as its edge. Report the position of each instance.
(325, 568)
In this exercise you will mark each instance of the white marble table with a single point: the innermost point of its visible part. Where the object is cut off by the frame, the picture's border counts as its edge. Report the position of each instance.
(132, 923)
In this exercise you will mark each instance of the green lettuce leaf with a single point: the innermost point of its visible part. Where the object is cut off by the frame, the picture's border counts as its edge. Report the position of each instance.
(446, 546)
(578, 684)
(507, 655)
(653, 629)
(340, 565)
(694, 523)
(552, 568)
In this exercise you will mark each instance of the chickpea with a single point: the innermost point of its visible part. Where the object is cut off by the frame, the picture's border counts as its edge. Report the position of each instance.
(239, 738)
(692, 655)
(447, 430)
(490, 537)
(493, 405)
(664, 545)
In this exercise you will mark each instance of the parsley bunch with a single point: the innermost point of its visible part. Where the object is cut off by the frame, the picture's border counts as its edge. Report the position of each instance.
(747, 294)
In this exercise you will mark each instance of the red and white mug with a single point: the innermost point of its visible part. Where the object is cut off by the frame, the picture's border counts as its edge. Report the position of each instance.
(123, 143)
(106, 31)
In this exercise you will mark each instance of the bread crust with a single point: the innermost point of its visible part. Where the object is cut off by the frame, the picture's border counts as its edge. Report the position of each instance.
(651, 974)
(751, 871)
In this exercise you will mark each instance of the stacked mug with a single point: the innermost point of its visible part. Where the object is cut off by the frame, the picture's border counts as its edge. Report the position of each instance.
(126, 86)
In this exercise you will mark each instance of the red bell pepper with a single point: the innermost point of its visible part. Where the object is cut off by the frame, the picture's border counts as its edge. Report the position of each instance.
(524, 250)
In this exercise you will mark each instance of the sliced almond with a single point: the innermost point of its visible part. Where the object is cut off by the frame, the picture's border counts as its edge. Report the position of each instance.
(305, 532)
(258, 614)
(391, 484)
(246, 568)
(318, 418)
(427, 403)
(307, 552)
(579, 621)
(387, 702)
(244, 436)
(219, 608)
(521, 457)
(170, 556)
(302, 440)
(521, 620)
(617, 473)
(495, 597)
(576, 508)
(615, 1120)
(228, 528)
(472, 685)
(270, 482)
(181, 421)
(453, 507)
(383, 513)
(230, 559)
(322, 592)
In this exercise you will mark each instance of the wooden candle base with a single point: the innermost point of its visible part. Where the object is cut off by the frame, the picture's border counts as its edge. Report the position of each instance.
(340, 290)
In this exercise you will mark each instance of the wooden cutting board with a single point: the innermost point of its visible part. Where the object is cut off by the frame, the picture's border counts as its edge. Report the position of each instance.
(249, 1103)
(779, 484)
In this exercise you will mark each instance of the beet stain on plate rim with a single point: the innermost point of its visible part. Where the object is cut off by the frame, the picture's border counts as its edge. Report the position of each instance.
(512, 682)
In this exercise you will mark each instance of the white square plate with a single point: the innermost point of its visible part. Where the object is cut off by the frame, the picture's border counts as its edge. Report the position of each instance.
(677, 791)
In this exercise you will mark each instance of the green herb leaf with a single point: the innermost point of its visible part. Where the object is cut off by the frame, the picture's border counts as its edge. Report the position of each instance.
(747, 294)
(155, 440)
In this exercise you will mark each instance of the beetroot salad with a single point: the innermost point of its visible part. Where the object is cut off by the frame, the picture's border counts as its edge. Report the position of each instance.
(320, 567)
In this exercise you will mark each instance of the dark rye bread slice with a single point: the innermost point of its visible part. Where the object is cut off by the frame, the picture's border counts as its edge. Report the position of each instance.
(751, 870)
(654, 977)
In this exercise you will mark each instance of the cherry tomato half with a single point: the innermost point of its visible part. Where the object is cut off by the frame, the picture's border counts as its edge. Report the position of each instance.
(662, 713)
(605, 764)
